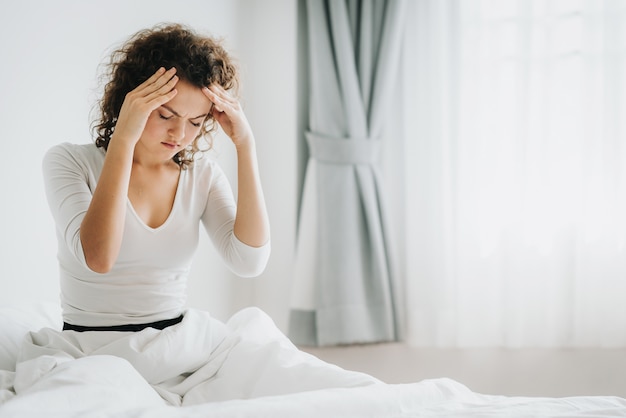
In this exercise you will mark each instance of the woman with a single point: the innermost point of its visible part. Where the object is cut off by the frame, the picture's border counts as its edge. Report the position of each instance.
(130, 206)
(127, 213)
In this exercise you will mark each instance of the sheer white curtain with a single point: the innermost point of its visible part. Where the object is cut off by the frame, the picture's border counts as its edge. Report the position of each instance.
(514, 189)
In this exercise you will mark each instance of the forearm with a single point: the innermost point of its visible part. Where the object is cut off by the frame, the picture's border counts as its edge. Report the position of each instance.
(251, 222)
(103, 226)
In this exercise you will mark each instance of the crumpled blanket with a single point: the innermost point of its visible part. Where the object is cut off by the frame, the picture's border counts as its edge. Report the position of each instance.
(198, 360)
(203, 368)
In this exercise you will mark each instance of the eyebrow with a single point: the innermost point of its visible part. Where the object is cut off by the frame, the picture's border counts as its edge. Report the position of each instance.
(176, 113)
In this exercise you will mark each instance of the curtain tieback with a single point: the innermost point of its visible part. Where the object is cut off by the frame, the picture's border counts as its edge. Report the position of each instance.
(343, 150)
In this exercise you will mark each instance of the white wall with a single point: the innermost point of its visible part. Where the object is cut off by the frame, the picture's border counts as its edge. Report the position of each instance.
(268, 50)
(50, 52)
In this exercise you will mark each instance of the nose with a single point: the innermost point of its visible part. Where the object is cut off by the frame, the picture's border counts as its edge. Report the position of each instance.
(177, 129)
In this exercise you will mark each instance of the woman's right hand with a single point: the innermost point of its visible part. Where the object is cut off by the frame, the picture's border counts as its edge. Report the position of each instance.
(102, 228)
(143, 100)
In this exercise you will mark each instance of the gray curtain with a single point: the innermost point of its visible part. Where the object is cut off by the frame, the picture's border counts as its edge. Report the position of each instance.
(353, 55)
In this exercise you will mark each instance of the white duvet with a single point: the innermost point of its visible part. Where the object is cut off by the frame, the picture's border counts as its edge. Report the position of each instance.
(246, 367)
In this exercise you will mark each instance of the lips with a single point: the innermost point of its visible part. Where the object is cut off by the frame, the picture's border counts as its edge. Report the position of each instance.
(170, 145)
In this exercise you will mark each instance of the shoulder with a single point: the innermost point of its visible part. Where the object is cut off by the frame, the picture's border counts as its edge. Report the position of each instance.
(205, 170)
(85, 156)
(77, 151)
(204, 162)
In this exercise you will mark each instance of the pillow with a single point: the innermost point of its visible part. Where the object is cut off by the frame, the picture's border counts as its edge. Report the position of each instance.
(16, 321)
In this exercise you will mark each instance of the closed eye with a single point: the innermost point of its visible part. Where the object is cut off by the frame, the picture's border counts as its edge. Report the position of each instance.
(196, 124)
(164, 117)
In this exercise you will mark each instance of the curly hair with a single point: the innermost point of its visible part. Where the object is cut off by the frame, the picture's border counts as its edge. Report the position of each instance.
(200, 60)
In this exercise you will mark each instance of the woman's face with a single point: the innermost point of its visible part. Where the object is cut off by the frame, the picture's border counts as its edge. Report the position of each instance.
(174, 125)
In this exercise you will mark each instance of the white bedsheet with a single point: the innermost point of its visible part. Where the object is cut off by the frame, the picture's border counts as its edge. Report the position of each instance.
(249, 369)
(122, 394)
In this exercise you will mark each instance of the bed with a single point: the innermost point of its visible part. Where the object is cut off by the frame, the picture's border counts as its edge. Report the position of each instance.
(70, 390)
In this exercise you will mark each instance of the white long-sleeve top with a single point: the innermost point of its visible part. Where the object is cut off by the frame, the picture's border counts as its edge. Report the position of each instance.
(149, 279)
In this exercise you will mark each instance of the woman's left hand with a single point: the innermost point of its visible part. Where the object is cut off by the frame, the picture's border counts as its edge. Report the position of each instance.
(228, 113)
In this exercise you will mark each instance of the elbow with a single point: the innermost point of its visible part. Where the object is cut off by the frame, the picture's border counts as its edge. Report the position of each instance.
(250, 273)
(97, 256)
(100, 269)
(99, 265)
(251, 262)
(97, 259)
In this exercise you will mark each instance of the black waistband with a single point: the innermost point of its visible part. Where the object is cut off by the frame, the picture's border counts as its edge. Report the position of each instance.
(125, 328)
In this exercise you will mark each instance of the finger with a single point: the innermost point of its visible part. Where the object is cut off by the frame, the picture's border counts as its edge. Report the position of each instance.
(163, 98)
(157, 81)
(221, 101)
(215, 100)
(168, 85)
(164, 89)
(223, 94)
(152, 79)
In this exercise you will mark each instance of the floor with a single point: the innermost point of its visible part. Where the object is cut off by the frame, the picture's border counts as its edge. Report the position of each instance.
(523, 372)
